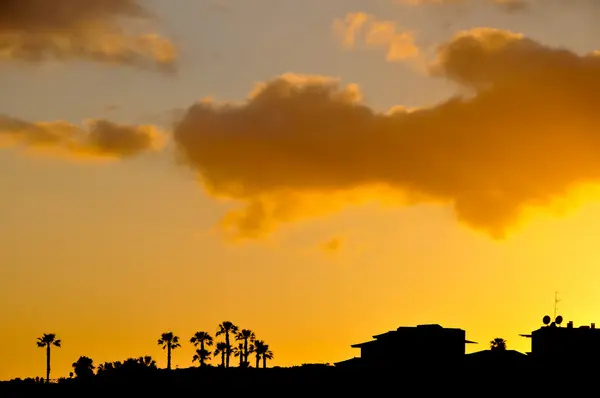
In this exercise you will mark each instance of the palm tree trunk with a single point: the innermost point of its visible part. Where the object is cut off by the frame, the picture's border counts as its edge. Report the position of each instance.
(264, 361)
(202, 356)
(246, 349)
(223, 359)
(228, 348)
(47, 363)
(169, 356)
(257, 361)
(241, 359)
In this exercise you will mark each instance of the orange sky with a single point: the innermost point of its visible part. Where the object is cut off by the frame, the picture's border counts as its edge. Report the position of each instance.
(398, 163)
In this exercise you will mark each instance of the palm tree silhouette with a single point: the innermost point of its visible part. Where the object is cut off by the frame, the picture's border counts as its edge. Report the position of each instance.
(246, 336)
(266, 353)
(227, 328)
(239, 352)
(221, 349)
(84, 367)
(48, 340)
(169, 342)
(201, 356)
(498, 344)
(258, 350)
(202, 339)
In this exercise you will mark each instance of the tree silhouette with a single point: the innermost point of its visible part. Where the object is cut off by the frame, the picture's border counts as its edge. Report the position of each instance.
(247, 336)
(84, 367)
(265, 354)
(239, 352)
(48, 340)
(201, 356)
(227, 328)
(221, 349)
(203, 339)
(106, 367)
(169, 342)
(147, 362)
(498, 344)
(258, 350)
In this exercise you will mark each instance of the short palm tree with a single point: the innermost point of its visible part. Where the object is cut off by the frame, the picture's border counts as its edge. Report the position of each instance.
(168, 341)
(498, 344)
(258, 350)
(202, 339)
(84, 367)
(201, 356)
(265, 354)
(239, 353)
(248, 337)
(221, 349)
(227, 328)
(46, 341)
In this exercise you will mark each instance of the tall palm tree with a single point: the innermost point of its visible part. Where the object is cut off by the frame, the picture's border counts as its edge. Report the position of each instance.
(498, 344)
(201, 356)
(169, 342)
(258, 350)
(246, 336)
(227, 328)
(46, 341)
(203, 339)
(221, 349)
(266, 354)
(84, 367)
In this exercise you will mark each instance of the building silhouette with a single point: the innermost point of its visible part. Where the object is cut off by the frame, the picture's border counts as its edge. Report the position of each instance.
(421, 344)
(554, 342)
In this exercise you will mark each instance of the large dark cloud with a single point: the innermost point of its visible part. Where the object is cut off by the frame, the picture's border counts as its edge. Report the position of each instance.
(526, 134)
(97, 30)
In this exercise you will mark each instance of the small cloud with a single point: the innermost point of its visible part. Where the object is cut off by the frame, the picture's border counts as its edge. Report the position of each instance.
(96, 139)
(398, 43)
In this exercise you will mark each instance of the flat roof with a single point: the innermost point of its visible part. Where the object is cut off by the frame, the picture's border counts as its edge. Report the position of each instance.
(418, 327)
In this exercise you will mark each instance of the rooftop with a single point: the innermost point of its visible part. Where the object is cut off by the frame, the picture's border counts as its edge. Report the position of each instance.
(420, 328)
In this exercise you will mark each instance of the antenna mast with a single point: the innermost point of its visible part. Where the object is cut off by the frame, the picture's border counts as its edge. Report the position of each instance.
(556, 301)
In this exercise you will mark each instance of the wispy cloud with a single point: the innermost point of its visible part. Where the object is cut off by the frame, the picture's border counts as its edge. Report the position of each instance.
(360, 28)
(97, 139)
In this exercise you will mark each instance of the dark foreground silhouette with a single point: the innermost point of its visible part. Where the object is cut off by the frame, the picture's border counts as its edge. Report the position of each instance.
(483, 378)
(424, 360)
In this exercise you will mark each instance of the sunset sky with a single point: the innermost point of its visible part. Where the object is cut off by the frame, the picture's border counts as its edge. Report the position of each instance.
(316, 171)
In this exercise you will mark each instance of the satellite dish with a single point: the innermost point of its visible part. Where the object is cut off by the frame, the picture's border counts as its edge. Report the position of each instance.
(546, 319)
(559, 320)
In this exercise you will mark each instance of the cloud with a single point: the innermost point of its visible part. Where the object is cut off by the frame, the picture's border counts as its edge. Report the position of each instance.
(506, 5)
(524, 134)
(38, 30)
(399, 44)
(98, 139)
(510, 6)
